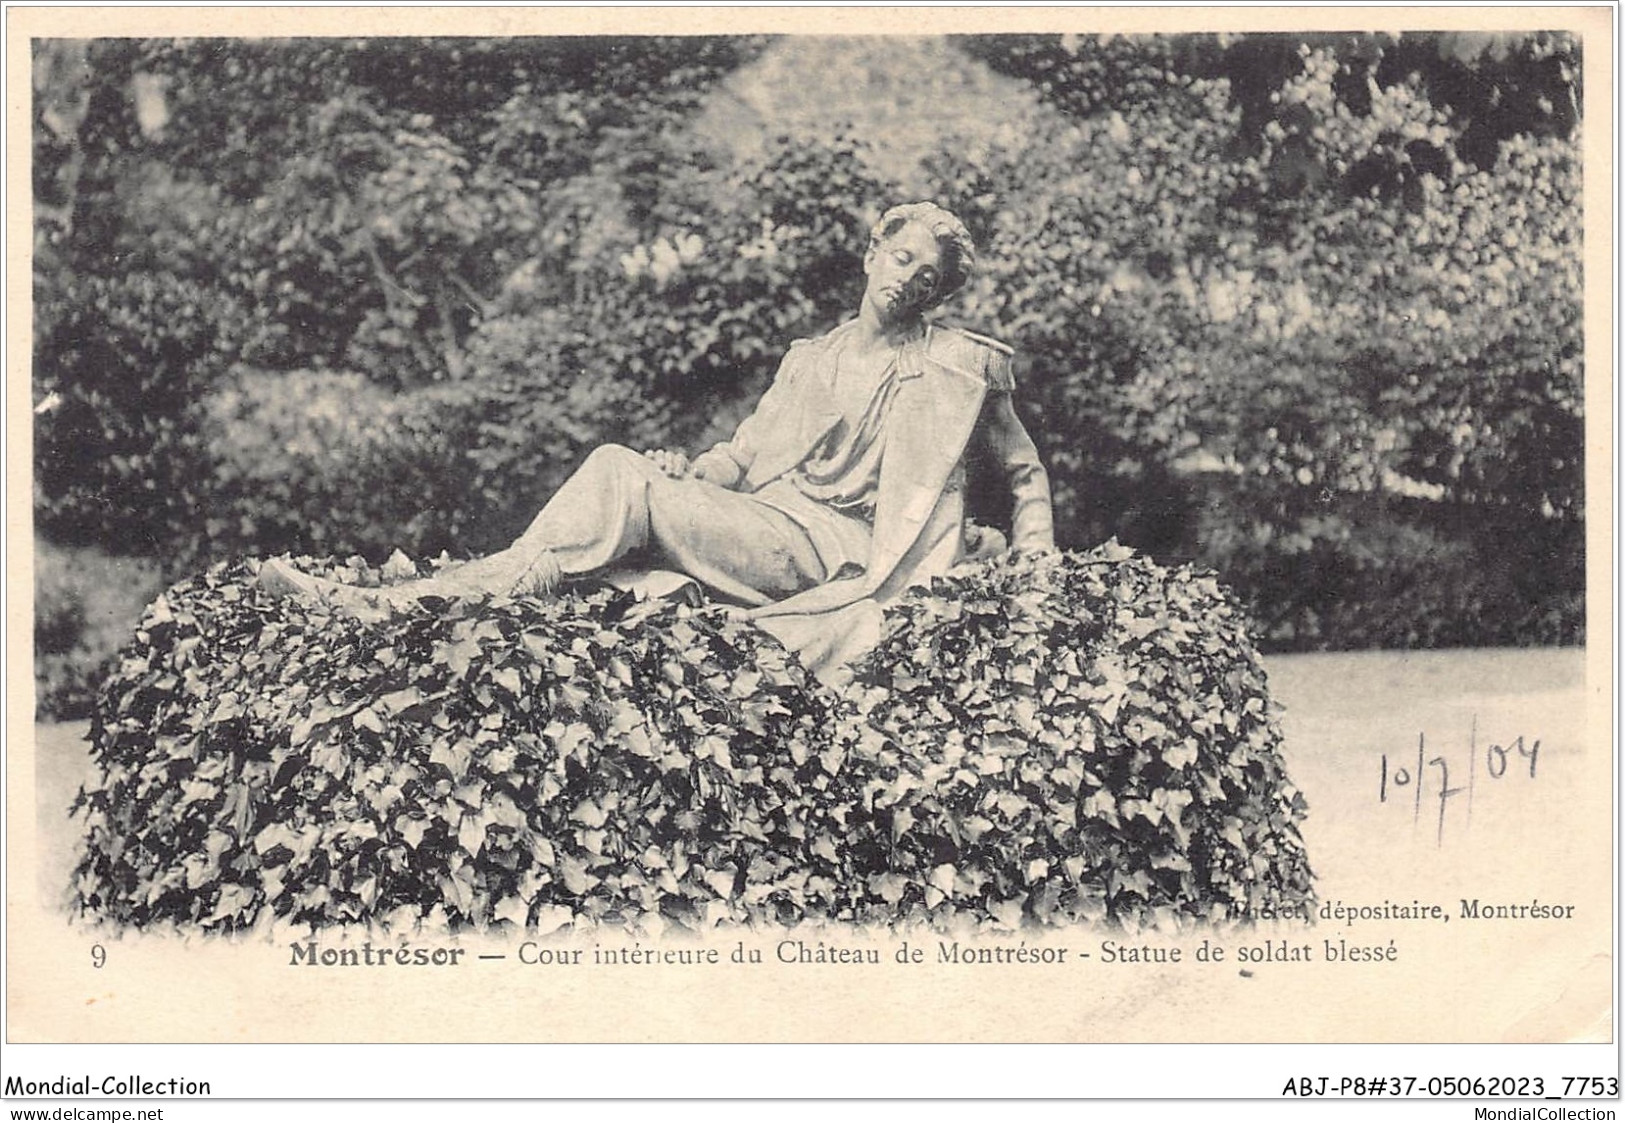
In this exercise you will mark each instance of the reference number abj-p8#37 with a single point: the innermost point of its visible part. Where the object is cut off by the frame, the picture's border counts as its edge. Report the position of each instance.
(1566, 1087)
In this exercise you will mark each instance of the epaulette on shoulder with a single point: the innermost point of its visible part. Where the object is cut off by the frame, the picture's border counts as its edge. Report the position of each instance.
(987, 359)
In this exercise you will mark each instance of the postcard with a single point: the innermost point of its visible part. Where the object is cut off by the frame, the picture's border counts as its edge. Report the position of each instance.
(828, 527)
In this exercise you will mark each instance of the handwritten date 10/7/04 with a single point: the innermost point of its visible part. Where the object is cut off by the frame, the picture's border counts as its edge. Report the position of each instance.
(1432, 780)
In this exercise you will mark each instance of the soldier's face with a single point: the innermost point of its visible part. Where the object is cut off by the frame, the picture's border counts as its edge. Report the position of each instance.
(904, 271)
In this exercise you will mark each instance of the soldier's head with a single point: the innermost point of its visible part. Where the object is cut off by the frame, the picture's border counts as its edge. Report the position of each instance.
(919, 255)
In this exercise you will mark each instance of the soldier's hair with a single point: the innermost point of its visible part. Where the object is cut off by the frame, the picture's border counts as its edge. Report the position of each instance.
(954, 242)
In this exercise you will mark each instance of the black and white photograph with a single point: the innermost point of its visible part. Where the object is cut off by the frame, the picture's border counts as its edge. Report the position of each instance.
(903, 527)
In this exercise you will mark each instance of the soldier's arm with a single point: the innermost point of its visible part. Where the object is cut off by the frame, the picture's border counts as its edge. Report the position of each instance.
(1006, 440)
(1032, 522)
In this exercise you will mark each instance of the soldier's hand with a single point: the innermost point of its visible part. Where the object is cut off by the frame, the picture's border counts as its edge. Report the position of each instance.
(717, 467)
(673, 464)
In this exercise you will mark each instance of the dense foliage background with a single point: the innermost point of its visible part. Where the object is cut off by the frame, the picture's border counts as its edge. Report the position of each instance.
(1304, 310)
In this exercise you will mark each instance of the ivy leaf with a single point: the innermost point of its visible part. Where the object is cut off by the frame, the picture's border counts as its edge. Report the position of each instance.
(399, 567)
(453, 755)
(331, 757)
(1008, 914)
(458, 887)
(889, 887)
(1180, 755)
(471, 833)
(412, 830)
(573, 873)
(551, 918)
(513, 910)
(233, 902)
(399, 700)
(590, 814)
(457, 656)
(508, 678)
(832, 758)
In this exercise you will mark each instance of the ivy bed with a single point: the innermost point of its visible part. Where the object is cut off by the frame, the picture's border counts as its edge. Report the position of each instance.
(1084, 737)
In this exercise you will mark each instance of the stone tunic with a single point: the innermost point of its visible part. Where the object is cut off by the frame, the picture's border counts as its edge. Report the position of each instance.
(841, 476)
